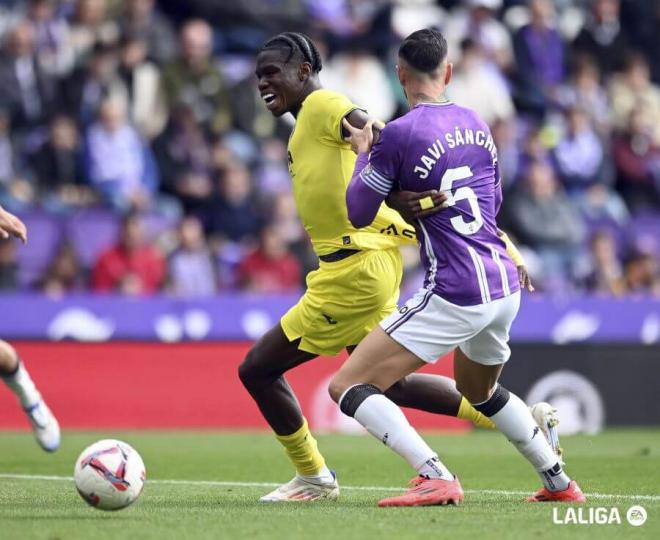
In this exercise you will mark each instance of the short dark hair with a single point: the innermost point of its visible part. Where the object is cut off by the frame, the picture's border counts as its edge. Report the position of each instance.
(296, 44)
(424, 50)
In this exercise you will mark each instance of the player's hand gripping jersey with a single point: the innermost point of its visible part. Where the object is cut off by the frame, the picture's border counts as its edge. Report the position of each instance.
(445, 147)
(321, 164)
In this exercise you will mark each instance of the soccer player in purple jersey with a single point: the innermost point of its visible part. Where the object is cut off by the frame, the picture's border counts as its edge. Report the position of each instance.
(470, 295)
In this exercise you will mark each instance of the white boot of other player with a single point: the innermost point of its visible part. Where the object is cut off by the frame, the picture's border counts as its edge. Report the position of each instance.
(303, 489)
(545, 415)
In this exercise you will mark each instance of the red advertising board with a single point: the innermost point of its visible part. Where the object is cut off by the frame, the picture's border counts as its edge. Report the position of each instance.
(150, 385)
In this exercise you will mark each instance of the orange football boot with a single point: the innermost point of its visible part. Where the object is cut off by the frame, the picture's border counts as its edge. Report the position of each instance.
(428, 492)
(572, 493)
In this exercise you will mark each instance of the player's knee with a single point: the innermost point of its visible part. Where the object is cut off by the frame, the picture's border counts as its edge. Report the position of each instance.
(8, 357)
(249, 372)
(397, 392)
(337, 387)
(473, 392)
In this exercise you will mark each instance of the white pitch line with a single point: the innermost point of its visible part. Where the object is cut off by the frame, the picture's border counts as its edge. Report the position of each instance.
(219, 483)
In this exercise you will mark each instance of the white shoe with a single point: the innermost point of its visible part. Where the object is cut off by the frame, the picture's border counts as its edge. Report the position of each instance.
(546, 417)
(44, 425)
(302, 489)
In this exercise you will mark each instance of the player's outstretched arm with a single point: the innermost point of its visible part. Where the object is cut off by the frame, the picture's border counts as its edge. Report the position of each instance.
(517, 258)
(10, 225)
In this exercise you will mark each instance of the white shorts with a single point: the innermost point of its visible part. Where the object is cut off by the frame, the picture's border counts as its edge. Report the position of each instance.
(430, 327)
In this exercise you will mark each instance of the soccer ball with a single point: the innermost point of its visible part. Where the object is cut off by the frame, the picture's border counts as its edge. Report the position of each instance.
(109, 475)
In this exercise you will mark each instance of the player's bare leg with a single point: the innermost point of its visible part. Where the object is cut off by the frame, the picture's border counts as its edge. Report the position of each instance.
(262, 374)
(16, 377)
(435, 394)
(358, 387)
(478, 383)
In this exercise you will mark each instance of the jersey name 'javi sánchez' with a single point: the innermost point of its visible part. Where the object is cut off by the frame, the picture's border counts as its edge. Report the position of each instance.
(447, 147)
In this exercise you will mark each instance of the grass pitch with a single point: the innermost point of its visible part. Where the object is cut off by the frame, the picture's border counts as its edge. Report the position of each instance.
(206, 485)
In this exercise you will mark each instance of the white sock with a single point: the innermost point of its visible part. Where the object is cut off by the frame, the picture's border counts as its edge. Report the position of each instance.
(385, 421)
(323, 477)
(21, 384)
(516, 422)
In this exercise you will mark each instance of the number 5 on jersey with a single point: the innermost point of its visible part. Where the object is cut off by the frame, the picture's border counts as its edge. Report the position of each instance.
(462, 193)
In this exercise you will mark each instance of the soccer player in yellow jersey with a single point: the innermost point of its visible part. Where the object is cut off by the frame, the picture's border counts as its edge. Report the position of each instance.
(357, 284)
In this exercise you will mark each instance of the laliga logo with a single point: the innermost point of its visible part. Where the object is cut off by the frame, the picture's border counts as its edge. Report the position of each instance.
(636, 516)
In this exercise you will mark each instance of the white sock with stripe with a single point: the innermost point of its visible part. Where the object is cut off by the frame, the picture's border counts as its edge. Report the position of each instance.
(386, 421)
(513, 419)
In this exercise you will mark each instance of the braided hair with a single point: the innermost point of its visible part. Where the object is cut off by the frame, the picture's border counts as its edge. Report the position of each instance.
(296, 44)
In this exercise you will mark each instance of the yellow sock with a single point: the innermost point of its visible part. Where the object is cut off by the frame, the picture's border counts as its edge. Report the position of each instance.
(303, 451)
(467, 412)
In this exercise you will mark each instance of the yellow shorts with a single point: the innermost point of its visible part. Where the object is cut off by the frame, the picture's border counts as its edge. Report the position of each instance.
(344, 301)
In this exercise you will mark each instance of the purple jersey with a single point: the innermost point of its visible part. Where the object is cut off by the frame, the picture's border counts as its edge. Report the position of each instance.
(449, 148)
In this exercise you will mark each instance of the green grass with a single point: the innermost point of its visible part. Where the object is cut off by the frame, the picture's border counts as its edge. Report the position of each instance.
(623, 463)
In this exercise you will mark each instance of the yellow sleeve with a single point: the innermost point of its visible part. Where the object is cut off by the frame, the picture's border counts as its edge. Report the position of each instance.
(327, 109)
(512, 250)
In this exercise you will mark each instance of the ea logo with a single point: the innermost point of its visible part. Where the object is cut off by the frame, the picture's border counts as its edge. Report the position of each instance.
(636, 515)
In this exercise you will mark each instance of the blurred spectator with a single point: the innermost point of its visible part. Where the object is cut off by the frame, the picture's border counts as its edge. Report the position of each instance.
(545, 219)
(539, 53)
(637, 159)
(142, 20)
(118, 164)
(606, 272)
(8, 265)
(64, 274)
(271, 268)
(477, 21)
(91, 27)
(52, 37)
(233, 214)
(633, 89)
(272, 176)
(195, 81)
(353, 25)
(602, 37)
(27, 92)
(15, 191)
(58, 167)
(191, 267)
(508, 154)
(84, 90)
(641, 275)
(184, 158)
(471, 76)
(142, 88)
(586, 170)
(652, 45)
(285, 218)
(536, 148)
(584, 91)
(132, 267)
(7, 150)
(363, 78)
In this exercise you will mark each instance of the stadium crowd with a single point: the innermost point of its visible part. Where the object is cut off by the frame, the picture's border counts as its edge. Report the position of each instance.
(135, 145)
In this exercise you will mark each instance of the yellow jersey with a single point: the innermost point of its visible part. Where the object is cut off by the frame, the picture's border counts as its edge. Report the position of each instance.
(321, 164)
